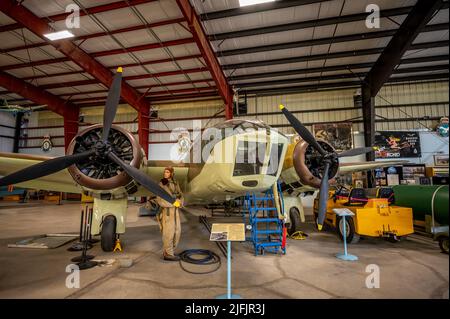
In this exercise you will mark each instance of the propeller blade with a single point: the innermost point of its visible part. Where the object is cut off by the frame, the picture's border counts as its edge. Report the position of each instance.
(144, 180)
(356, 151)
(324, 186)
(44, 168)
(302, 130)
(111, 103)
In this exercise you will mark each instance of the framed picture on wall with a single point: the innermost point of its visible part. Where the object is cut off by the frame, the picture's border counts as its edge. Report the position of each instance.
(441, 160)
(339, 135)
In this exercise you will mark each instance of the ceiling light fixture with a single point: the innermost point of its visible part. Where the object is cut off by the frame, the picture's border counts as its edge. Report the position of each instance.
(244, 3)
(64, 34)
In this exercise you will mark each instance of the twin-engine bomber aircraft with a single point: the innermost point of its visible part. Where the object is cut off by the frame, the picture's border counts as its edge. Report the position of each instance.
(107, 163)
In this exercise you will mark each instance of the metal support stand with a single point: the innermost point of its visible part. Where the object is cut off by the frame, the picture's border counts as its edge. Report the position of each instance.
(343, 213)
(84, 261)
(78, 246)
(229, 295)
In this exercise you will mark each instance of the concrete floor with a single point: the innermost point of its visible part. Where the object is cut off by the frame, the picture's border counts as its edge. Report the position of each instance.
(414, 268)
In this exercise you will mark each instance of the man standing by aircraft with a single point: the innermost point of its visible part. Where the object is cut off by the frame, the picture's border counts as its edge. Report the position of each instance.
(170, 216)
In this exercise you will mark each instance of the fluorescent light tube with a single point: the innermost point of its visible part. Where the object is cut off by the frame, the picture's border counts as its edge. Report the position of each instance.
(64, 34)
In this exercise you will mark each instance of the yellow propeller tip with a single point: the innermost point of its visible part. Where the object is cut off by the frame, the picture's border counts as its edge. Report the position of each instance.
(281, 106)
(119, 69)
(177, 203)
(319, 227)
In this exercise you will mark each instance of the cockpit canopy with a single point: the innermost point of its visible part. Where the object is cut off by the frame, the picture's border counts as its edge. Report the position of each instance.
(237, 124)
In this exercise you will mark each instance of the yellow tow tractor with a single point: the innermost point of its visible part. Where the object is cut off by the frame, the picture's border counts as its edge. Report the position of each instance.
(374, 216)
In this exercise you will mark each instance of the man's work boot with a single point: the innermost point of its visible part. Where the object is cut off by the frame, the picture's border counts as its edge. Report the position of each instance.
(171, 258)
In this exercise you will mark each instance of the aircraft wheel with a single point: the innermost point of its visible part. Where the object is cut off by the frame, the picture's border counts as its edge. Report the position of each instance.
(443, 244)
(108, 234)
(294, 217)
(352, 236)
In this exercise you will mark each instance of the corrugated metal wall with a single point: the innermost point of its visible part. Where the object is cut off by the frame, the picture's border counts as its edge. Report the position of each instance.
(395, 104)
(7, 124)
(319, 103)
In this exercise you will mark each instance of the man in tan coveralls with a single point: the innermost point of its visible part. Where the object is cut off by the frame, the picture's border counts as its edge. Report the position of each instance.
(169, 218)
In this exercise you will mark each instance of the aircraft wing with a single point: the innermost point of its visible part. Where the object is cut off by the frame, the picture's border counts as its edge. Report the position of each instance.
(364, 166)
(58, 182)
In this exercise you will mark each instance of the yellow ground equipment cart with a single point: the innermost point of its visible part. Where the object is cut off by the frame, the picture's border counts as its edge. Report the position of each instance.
(374, 214)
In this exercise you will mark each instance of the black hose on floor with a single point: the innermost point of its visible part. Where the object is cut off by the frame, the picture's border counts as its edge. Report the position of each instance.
(210, 258)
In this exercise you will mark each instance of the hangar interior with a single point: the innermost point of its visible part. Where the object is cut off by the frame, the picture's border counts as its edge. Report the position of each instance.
(368, 77)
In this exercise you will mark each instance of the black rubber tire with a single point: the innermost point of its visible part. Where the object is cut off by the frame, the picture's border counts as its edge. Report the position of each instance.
(393, 240)
(352, 237)
(443, 244)
(294, 217)
(108, 233)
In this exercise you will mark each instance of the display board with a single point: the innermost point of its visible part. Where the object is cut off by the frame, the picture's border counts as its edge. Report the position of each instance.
(227, 232)
(397, 144)
(339, 135)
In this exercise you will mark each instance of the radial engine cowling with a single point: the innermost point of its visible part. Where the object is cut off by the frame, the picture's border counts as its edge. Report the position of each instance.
(309, 165)
(99, 175)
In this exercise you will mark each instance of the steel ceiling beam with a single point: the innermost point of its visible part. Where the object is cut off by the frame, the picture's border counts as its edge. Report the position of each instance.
(92, 10)
(33, 93)
(128, 65)
(183, 97)
(384, 67)
(149, 94)
(347, 75)
(334, 55)
(67, 110)
(341, 68)
(144, 47)
(324, 86)
(280, 4)
(163, 98)
(204, 45)
(102, 74)
(415, 23)
(305, 24)
(126, 78)
(140, 87)
(328, 40)
(98, 34)
(311, 23)
(133, 77)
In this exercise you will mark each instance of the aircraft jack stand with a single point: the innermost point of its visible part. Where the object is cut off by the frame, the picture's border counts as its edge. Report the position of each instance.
(343, 212)
(118, 246)
(229, 295)
(84, 261)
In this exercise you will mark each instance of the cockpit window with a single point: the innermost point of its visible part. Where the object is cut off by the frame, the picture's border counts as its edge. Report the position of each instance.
(249, 158)
(275, 159)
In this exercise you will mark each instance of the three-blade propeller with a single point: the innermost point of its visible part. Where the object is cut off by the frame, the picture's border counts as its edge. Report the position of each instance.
(326, 159)
(105, 151)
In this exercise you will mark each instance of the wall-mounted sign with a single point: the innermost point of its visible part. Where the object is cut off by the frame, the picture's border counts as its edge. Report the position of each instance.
(47, 144)
(339, 135)
(397, 144)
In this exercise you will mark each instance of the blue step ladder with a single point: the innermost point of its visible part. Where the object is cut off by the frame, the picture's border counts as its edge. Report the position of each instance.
(266, 226)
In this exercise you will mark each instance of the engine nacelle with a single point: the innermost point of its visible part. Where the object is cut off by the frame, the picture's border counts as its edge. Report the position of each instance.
(99, 176)
(304, 164)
